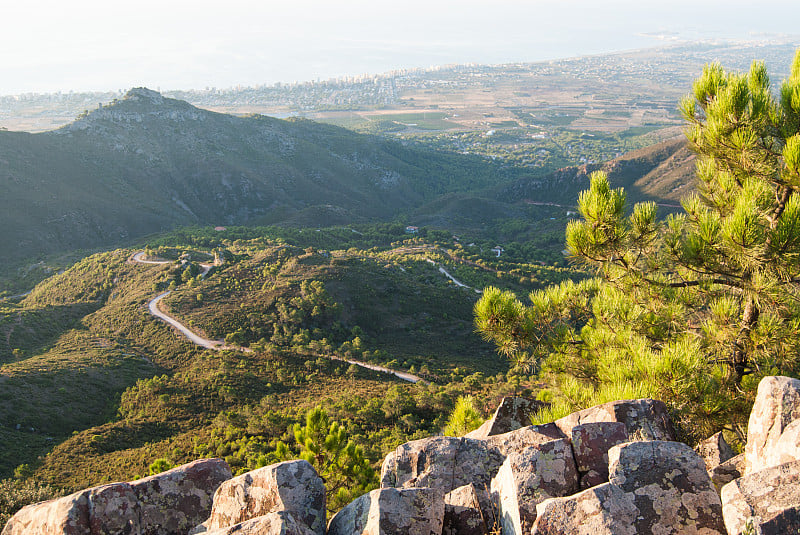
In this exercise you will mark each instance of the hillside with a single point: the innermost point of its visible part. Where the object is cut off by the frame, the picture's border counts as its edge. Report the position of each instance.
(146, 164)
(94, 387)
(663, 172)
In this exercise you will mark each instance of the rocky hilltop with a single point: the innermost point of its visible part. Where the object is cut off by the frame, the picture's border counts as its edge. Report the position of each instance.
(146, 163)
(613, 469)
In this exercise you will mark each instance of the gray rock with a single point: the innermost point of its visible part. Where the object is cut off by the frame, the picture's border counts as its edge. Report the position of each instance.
(601, 510)
(777, 404)
(647, 419)
(529, 477)
(654, 488)
(169, 503)
(769, 499)
(590, 444)
(114, 508)
(728, 471)
(465, 511)
(787, 447)
(174, 501)
(280, 523)
(592, 478)
(68, 516)
(443, 463)
(417, 511)
(292, 486)
(715, 450)
(515, 441)
(669, 485)
(513, 413)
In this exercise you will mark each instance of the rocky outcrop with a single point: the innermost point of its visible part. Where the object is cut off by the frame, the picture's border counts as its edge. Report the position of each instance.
(417, 511)
(669, 485)
(602, 510)
(441, 485)
(654, 487)
(176, 500)
(169, 503)
(507, 443)
(281, 523)
(590, 444)
(767, 500)
(513, 413)
(443, 463)
(529, 477)
(291, 486)
(777, 405)
(467, 511)
(645, 419)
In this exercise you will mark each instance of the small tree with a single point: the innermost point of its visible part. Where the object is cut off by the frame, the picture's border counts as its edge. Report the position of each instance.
(464, 418)
(341, 464)
(160, 465)
(693, 310)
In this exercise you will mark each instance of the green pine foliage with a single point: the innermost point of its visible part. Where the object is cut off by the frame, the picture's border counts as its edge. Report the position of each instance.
(339, 461)
(693, 310)
(464, 418)
(16, 494)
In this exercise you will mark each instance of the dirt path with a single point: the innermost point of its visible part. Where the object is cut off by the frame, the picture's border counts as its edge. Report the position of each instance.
(218, 345)
(188, 333)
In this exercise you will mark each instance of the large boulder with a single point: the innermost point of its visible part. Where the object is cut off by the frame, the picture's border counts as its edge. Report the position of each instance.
(654, 487)
(64, 516)
(715, 450)
(414, 511)
(443, 463)
(769, 500)
(292, 486)
(467, 511)
(787, 447)
(512, 413)
(176, 500)
(590, 444)
(280, 523)
(169, 503)
(646, 419)
(669, 485)
(777, 405)
(515, 441)
(529, 477)
(115, 508)
(602, 510)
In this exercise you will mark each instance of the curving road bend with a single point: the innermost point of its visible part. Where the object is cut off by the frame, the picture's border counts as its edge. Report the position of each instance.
(217, 345)
(192, 336)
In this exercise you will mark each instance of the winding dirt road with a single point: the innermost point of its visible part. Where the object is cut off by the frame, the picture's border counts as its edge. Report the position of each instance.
(218, 345)
(192, 336)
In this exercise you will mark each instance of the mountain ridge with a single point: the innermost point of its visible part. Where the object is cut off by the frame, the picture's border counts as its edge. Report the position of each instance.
(147, 163)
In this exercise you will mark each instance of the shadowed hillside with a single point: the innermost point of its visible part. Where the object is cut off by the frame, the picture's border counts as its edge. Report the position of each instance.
(663, 173)
(148, 163)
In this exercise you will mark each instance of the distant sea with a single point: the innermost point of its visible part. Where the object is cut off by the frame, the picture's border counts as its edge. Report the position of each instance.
(249, 43)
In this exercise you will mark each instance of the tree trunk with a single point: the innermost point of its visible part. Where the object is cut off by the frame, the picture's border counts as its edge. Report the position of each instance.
(741, 348)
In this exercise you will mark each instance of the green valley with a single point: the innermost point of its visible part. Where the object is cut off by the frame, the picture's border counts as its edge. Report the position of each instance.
(95, 388)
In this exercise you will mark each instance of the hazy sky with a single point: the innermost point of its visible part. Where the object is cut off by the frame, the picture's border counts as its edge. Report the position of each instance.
(61, 45)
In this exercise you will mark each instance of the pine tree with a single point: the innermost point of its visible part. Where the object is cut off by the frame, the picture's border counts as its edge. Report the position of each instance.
(464, 418)
(695, 309)
(341, 464)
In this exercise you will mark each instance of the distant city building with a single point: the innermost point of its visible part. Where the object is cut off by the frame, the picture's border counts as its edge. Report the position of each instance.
(411, 229)
(220, 229)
